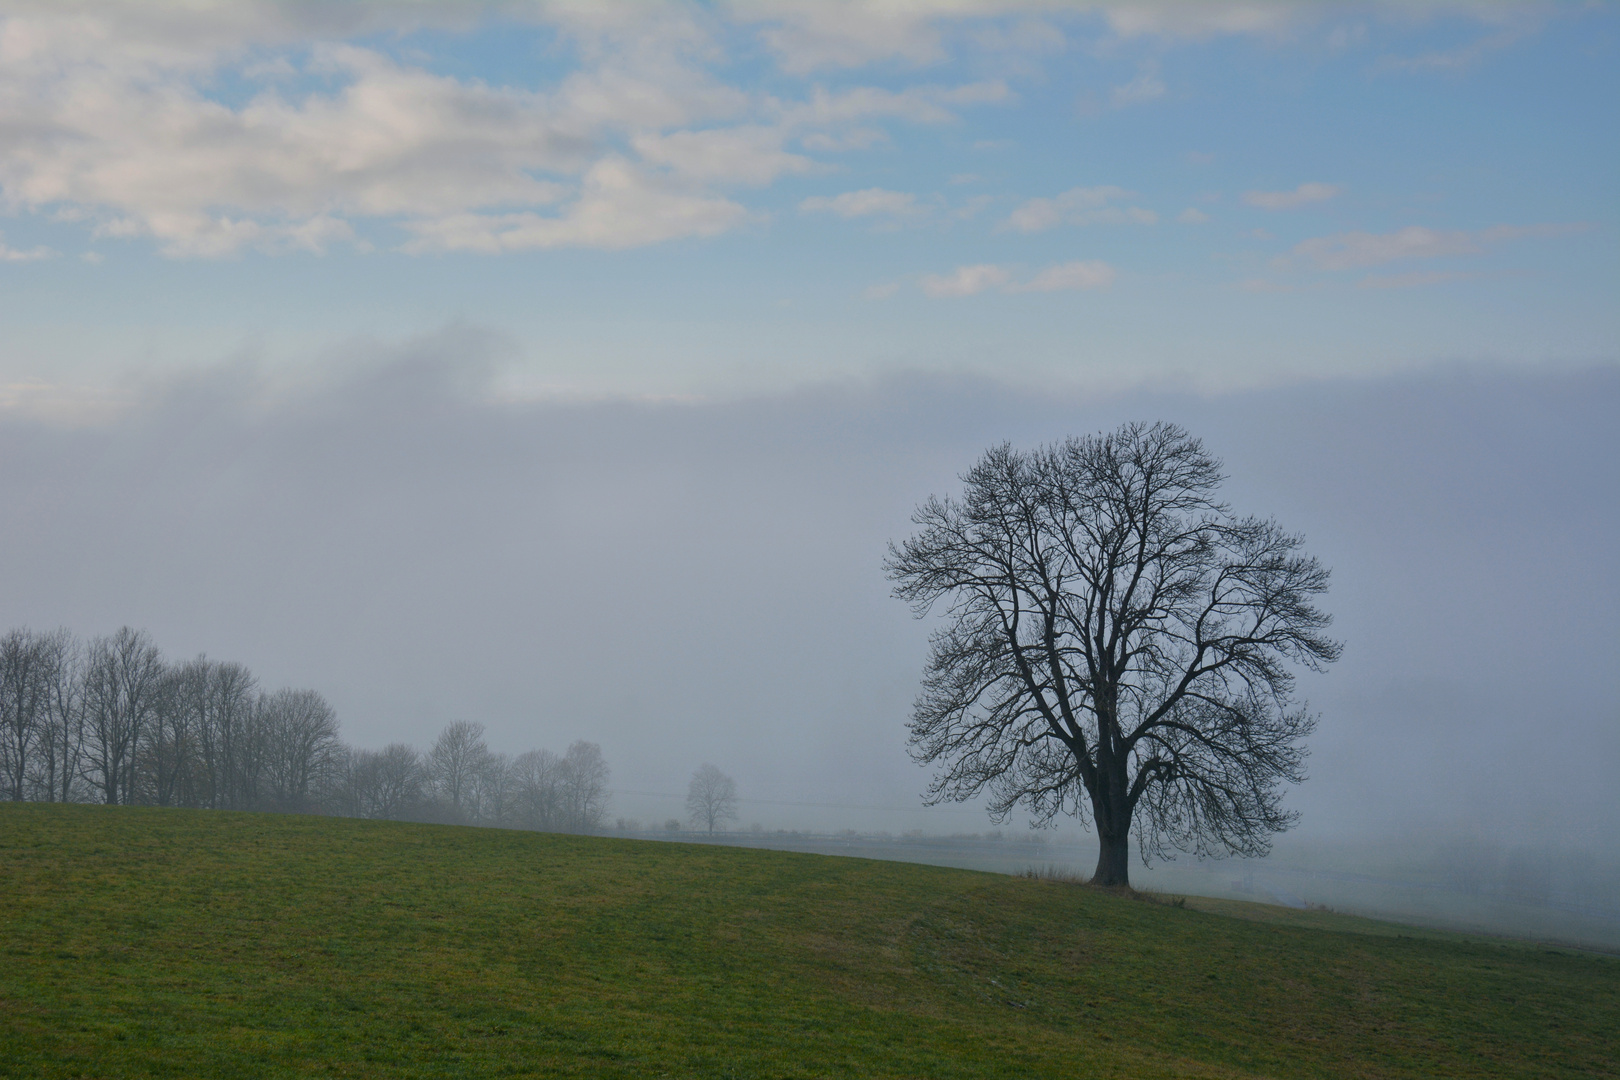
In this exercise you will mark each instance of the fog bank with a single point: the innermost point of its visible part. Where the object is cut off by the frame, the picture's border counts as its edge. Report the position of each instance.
(700, 581)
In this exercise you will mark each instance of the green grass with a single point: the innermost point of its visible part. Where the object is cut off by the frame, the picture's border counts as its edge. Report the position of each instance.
(145, 942)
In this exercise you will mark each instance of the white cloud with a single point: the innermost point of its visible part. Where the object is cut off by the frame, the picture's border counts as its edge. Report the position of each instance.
(1079, 206)
(853, 204)
(965, 280)
(112, 117)
(1466, 56)
(750, 154)
(1147, 86)
(109, 121)
(859, 138)
(144, 153)
(619, 206)
(11, 254)
(809, 34)
(1192, 216)
(1412, 280)
(1068, 277)
(972, 280)
(1176, 18)
(972, 208)
(918, 104)
(1288, 200)
(1357, 250)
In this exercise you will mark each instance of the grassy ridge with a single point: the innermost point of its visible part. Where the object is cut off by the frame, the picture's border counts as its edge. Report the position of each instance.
(145, 942)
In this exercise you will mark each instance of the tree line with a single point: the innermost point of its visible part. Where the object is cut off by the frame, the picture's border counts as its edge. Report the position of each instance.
(110, 720)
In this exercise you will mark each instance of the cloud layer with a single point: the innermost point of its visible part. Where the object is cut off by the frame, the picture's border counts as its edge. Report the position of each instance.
(214, 128)
(111, 115)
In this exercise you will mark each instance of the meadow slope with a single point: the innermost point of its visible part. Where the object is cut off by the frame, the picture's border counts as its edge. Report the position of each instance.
(149, 942)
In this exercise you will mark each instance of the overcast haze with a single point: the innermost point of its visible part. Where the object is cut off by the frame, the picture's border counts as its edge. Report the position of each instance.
(701, 582)
(569, 368)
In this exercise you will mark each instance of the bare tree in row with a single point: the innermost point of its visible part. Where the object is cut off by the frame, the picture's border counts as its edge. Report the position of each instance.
(460, 781)
(111, 721)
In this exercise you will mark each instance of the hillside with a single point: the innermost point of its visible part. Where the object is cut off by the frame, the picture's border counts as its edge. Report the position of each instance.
(148, 942)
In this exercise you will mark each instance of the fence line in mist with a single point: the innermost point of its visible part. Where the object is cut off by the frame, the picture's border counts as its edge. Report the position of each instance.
(109, 720)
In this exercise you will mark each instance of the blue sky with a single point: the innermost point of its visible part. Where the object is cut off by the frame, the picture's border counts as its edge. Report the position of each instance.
(719, 199)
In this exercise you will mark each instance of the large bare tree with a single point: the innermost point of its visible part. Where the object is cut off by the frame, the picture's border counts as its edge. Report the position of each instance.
(1119, 645)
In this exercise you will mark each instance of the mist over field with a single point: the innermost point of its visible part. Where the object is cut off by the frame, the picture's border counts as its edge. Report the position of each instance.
(699, 580)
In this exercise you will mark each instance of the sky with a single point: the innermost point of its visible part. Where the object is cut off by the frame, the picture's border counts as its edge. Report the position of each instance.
(568, 367)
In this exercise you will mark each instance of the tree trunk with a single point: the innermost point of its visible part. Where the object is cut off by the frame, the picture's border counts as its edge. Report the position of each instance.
(1113, 860)
(1110, 810)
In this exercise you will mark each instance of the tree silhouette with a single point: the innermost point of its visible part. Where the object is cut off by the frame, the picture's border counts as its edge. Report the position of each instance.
(1119, 646)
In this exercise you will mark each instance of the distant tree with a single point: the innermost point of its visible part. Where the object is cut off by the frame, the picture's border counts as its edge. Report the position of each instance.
(114, 722)
(711, 798)
(492, 801)
(24, 708)
(300, 733)
(584, 785)
(122, 680)
(388, 783)
(454, 763)
(185, 699)
(166, 758)
(60, 759)
(228, 733)
(537, 796)
(1118, 645)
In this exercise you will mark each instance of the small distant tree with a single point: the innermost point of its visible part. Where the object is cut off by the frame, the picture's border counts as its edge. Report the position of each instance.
(711, 798)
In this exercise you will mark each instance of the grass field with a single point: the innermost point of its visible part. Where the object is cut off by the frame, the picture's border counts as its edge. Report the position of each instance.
(147, 942)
